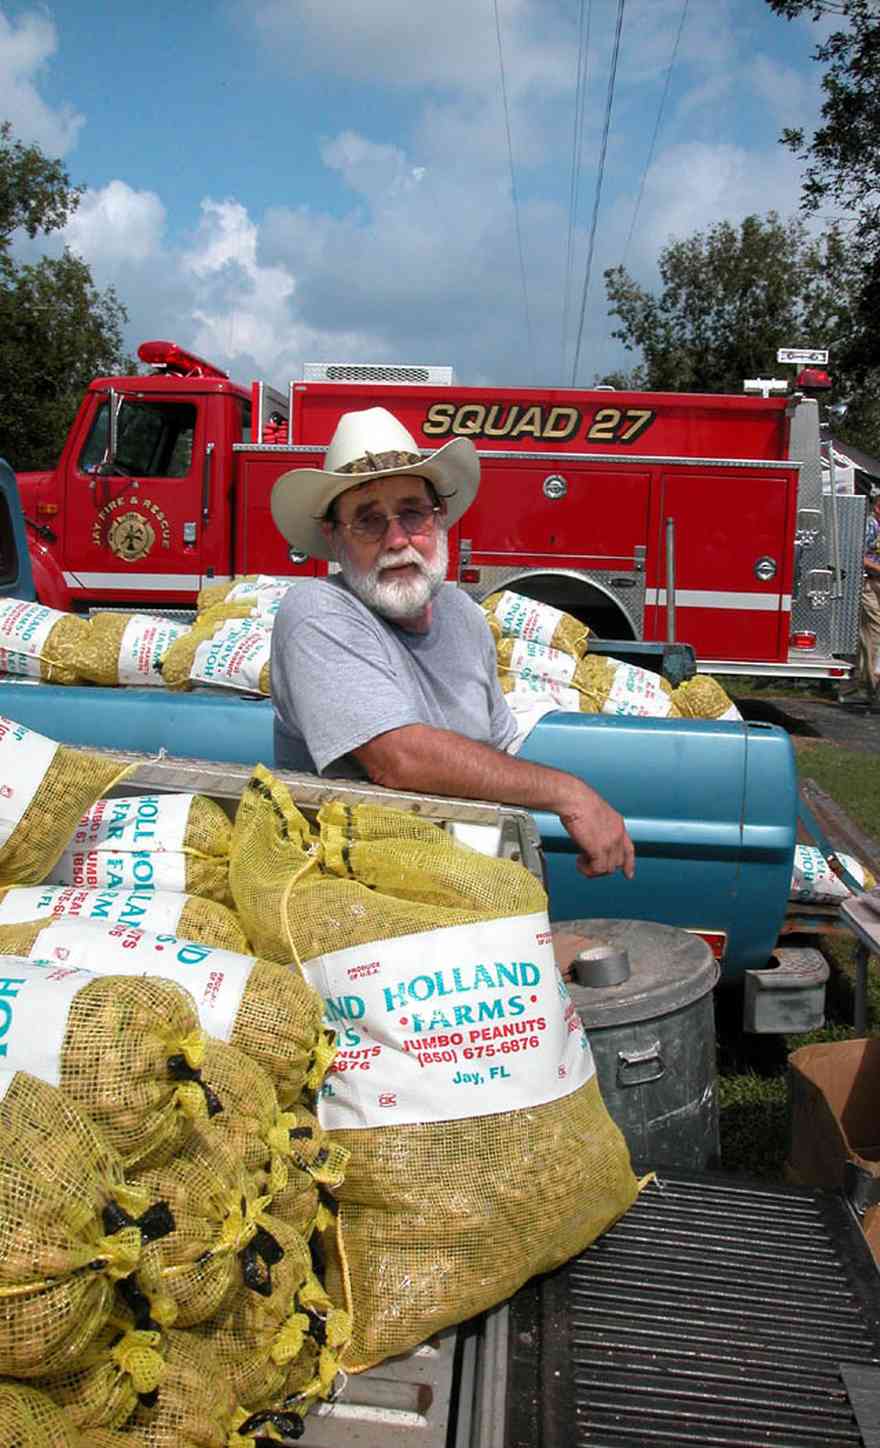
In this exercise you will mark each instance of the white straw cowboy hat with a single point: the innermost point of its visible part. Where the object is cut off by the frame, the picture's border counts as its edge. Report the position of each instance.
(365, 446)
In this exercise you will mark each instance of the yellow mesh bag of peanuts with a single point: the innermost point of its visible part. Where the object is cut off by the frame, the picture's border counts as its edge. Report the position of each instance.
(221, 1243)
(174, 842)
(268, 1011)
(257, 1338)
(464, 1086)
(284, 1150)
(40, 642)
(128, 648)
(122, 1369)
(196, 1408)
(512, 615)
(28, 1419)
(206, 922)
(231, 653)
(126, 1049)
(72, 1231)
(44, 788)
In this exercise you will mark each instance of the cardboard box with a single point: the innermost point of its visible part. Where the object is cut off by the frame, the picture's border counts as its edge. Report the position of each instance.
(834, 1095)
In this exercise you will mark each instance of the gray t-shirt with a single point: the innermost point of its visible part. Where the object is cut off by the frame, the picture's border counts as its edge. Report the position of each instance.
(341, 675)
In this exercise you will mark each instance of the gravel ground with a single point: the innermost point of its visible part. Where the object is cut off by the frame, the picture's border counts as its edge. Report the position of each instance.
(845, 724)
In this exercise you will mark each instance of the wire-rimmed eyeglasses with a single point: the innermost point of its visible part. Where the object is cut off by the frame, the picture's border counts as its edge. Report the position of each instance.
(373, 526)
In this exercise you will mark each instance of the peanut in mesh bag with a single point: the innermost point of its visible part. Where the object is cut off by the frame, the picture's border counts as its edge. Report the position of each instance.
(29, 1419)
(128, 648)
(268, 1011)
(44, 789)
(72, 1232)
(605, 685)
(521, 617)
(231, 653)
(122, 1369)
(149, 842)
(206, 922)
(197, 1409)
(221, 1244)
(255, 1340)
(702, 697)
(248, 589)
(282, 1149)
(442, 1218)
(126, 1048)
(41, 642)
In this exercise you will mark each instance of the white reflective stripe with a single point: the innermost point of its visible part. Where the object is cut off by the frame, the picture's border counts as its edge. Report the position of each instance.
(703, 598)
(147, 582)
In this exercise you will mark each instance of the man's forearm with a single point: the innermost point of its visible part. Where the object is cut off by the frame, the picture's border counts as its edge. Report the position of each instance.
(437, 761)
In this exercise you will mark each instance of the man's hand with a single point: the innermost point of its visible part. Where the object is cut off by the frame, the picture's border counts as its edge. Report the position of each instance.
(601, 833)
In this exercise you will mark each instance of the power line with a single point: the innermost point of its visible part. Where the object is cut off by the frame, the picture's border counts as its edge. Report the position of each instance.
(577, 140)
(657, 123)
(596, 203)
(522, 265)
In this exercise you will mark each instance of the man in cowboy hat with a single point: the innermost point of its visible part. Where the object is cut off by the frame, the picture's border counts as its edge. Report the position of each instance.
(384, 670)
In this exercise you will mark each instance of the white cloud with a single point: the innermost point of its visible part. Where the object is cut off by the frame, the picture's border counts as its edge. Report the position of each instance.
(26, 46)
(408, 46)
(116, 226)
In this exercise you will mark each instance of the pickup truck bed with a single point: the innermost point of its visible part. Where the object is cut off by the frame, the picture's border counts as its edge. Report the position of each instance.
(712, 808)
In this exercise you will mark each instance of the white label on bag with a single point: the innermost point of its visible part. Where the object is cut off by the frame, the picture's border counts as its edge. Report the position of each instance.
(468, 1020)
(636, 691)
(546, 689)
(134, 843)
(730, 714)
(813, 879)
(35, 1000)
(234, 657)
(6, 1080)
(536, 661)
(142, 647)
(24, 627)
(156, 910)
(214, 978)
(524, 618)
(265, 587)
(24, 760)
(11, 663)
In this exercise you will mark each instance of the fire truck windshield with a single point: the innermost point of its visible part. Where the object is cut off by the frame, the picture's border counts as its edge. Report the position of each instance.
(154, 439)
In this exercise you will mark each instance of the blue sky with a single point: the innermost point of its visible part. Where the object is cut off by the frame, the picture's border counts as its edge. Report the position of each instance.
(278, 181)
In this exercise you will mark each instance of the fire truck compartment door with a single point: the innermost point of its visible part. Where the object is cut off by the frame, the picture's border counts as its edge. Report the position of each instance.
(138, 530)
(713, 804)
(731, 527)
(559, 512)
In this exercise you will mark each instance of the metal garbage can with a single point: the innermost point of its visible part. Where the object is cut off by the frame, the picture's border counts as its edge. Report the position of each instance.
(652, 1031)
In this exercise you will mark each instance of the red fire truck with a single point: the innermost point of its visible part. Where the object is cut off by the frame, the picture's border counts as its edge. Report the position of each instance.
(653, 516)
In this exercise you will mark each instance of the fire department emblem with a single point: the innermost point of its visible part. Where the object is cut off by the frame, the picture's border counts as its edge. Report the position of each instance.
(131, 537)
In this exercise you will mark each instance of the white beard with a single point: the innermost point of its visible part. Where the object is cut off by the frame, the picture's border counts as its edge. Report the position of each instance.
(399, 599)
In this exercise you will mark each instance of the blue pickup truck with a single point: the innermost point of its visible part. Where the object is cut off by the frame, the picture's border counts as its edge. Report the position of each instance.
(711, 807)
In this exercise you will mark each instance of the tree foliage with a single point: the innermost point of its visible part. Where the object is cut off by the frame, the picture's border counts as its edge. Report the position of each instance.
(843, 155)
(57, 330)
(730, 297)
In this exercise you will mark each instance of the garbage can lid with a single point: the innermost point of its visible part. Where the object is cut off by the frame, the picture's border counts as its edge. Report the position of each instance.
(669, 969)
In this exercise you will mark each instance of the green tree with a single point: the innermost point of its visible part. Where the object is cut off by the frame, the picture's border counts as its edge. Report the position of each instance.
(730, 296)
(843, 155)
(57, 330)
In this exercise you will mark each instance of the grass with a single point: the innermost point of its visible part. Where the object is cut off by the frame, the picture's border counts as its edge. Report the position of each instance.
(752, 1069)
